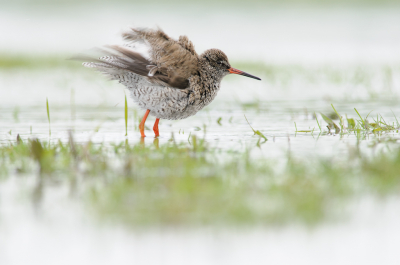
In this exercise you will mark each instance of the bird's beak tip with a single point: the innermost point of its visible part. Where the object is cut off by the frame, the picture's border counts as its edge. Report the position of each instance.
(239, 72)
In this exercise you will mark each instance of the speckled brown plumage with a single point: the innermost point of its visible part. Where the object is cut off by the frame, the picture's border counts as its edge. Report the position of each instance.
(174, 82)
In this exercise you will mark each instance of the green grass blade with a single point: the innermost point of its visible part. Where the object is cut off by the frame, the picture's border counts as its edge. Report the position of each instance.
(317, 121)
(261, 135)
(48, 114)
(249, 123)
(360, 116)
(368, 115)
(397, 121)
(48, 111)
(126, 117)
(340, 117)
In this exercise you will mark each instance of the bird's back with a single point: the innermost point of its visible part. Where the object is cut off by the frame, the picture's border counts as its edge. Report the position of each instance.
(170, 62)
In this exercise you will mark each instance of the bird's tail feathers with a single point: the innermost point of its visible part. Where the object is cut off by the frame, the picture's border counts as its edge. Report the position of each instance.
(115, 60)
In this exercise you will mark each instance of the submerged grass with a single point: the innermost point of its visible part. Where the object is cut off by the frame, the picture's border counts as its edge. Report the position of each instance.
(191, 184)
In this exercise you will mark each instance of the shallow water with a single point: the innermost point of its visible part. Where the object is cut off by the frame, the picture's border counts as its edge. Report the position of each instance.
(62, 231)
(93, 108)
(314, 57)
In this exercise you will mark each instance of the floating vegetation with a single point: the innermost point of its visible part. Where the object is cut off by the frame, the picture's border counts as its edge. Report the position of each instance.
(306, 131)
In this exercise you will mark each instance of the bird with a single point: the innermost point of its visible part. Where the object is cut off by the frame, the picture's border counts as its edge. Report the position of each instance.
(171, 80)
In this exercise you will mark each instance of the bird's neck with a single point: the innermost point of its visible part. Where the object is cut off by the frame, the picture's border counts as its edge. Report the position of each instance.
(206, 85)
(209, 76)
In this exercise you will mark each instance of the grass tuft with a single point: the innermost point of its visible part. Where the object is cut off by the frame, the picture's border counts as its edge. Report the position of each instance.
(331, 124)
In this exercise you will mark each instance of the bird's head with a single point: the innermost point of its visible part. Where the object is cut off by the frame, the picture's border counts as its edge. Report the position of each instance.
(217, 62)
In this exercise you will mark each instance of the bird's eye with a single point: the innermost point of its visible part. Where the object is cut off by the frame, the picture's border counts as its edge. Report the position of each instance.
(219, 62)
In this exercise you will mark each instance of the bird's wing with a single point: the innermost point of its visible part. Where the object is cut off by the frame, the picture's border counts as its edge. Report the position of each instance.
(117, 58)
(171, 62)
(176, 59)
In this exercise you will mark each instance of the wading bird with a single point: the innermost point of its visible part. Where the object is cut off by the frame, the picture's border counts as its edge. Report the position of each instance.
(173, 82)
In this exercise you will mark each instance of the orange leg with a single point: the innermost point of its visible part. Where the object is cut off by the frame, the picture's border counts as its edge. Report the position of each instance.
(141, 125)
(155, 128)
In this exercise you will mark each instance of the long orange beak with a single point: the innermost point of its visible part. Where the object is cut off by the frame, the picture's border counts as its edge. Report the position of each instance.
(238, 72)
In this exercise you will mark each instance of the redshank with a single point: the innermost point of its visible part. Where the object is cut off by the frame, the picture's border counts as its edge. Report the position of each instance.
(172, 82)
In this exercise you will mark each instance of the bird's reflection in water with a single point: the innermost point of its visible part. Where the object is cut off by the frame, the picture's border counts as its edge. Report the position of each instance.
(156, 143)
